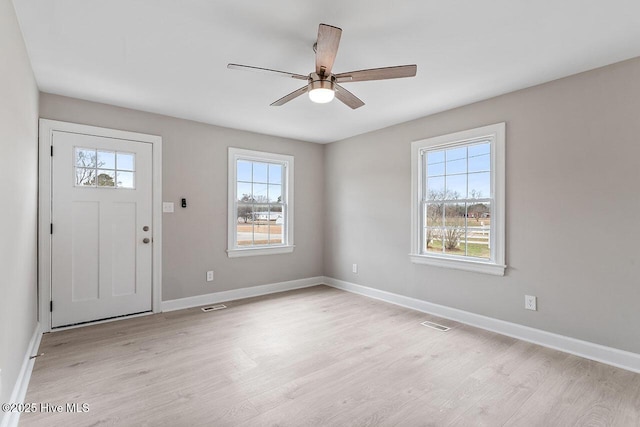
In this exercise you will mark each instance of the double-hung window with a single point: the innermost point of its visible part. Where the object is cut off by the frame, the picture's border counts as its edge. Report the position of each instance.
(260, 218)
(458, 200)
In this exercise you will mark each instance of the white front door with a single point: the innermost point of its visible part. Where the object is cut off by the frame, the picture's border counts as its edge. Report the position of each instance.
(101, 248)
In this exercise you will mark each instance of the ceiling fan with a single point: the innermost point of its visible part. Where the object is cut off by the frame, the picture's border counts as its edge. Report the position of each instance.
(322, 85)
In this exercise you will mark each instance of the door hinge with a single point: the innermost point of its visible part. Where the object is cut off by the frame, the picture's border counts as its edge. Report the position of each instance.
(51, 228)
(52, 151)
(50, 306)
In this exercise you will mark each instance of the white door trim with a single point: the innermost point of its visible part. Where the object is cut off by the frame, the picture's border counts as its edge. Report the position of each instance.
(47, 127)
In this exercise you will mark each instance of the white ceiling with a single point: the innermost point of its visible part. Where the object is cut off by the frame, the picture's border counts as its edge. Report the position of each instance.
(170, 57)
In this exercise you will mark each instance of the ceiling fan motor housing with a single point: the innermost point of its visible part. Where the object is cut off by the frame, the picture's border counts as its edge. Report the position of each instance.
(321, 90)
(317, 82)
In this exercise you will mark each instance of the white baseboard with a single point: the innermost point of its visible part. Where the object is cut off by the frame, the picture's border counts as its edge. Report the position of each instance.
(19, 392)
(600, 353)
(252, 291)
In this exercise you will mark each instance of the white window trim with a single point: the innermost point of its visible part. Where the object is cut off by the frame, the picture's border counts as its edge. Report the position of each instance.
(236, 154)
(496, 266)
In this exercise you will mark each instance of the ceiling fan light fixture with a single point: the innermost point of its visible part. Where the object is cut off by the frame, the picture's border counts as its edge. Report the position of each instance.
(321, 91)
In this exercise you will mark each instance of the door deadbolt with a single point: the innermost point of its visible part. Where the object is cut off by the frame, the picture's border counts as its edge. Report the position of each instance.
(145, 228)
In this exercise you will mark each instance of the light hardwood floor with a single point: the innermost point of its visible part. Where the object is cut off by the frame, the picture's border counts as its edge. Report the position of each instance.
(318, 356)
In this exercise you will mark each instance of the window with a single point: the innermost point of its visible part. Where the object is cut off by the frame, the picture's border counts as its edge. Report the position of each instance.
(104, 169)
(458, 200)
(260, 203)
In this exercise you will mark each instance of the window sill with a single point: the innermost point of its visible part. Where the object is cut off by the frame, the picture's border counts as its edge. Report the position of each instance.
(467, 265)
(236, 253)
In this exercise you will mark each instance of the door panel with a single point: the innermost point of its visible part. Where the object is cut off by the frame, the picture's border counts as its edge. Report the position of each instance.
(85, 253)
(102, 200)
(123, 249)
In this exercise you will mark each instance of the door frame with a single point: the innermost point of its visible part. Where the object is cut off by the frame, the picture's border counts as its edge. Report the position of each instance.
(45, 183)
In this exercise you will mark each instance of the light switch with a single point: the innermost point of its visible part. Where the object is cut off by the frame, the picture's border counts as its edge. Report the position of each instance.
(167, 207)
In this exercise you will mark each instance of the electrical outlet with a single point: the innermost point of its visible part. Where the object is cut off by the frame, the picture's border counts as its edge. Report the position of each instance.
(355, 268)
(210, 276)
(530, 302)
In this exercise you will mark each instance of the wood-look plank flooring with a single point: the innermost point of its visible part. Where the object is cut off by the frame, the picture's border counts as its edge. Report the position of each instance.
(318, 357)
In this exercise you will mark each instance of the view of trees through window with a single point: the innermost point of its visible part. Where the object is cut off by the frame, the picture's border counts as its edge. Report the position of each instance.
(260, 205)
(457, 201)
(96, 168)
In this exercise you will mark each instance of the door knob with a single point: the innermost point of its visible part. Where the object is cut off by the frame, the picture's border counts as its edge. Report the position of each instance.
(146, 240)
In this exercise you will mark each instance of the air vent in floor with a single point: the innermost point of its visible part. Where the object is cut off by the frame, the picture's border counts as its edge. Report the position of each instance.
(435, 326)
(214, 307)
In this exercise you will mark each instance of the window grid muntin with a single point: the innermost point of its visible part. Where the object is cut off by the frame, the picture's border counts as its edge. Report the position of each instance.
(426, 201)
(283, 204)
(95, 167)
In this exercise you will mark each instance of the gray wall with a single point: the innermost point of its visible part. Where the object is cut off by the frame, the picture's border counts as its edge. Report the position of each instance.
(18, 192)
(195, 167)
(573, 168)
(572, 198)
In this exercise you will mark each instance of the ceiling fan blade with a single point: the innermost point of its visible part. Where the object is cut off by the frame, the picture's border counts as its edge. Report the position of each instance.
(327, 48)
(348, 98)
(267, 70)
(378, 74)
(291, 96)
